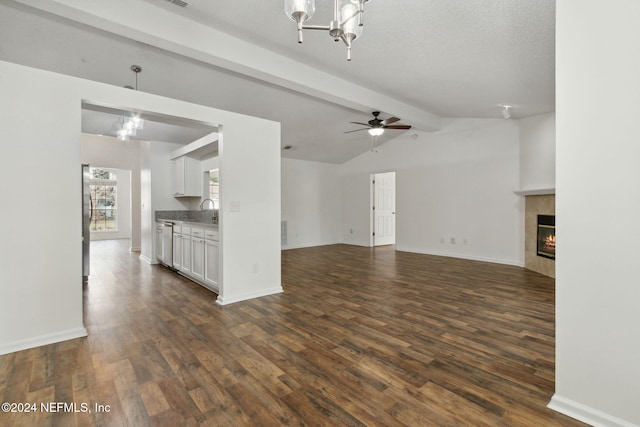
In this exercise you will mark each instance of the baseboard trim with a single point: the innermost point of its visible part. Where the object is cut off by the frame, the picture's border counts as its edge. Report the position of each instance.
(41, 340)
(148, 260)
(585, 413)
(461, 256)
(243, 297)
(314, 245)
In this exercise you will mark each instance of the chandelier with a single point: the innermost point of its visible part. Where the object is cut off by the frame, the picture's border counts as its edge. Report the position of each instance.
(346, 24)
(128, 126)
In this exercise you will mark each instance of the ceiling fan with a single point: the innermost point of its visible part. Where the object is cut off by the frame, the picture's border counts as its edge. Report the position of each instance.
(377, 126)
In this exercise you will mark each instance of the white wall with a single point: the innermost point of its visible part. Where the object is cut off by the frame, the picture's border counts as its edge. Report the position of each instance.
(249, 160)
(458, 182)
(147, 220)
(109, 152)
(311, 200)
(538, 152)
(598, 211)
(40, 114)
(41, 258)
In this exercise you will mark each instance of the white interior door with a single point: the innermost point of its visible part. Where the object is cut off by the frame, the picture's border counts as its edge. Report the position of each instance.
(384, 207)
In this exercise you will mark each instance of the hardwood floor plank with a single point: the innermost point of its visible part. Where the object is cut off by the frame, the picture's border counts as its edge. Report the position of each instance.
(361, 336)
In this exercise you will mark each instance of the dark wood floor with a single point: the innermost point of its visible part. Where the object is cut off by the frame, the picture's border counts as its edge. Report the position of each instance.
(361, 336)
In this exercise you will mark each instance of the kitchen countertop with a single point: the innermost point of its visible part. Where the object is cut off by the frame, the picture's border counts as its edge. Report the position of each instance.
(193, 218)
(202, 224)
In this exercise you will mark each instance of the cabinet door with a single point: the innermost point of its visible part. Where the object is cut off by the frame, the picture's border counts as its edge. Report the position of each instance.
(197, 258)
(177, 251)
(186, 254)
(179, 166)
(159, 243)
(211, 251)
(187, 177)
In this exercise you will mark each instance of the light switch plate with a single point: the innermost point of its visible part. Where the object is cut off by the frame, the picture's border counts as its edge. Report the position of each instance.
(235, 206)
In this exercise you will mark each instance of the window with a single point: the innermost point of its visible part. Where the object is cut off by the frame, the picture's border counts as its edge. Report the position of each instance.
(103, 186)
(214, 187)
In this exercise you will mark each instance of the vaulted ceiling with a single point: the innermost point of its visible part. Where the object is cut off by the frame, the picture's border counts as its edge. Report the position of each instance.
(418, 60)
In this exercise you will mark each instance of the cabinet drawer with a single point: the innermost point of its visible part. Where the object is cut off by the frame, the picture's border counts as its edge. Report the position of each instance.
(177, 229)
(197, 232)
(211, 235)
(186, 230)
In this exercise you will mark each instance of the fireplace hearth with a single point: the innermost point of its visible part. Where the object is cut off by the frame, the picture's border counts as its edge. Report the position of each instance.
(547, 236)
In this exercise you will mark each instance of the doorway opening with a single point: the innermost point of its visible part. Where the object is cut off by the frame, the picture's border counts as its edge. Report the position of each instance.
(383, 209)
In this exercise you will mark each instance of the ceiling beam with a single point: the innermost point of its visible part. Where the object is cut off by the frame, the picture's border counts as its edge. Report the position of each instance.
(146, 23)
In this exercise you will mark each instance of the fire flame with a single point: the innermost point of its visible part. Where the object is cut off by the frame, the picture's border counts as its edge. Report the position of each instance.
(550, 242)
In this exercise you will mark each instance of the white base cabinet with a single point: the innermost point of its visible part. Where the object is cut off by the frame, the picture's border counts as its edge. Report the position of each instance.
(196, 253)
(197, 258)
(186, 252)
(211, 270)
(177, 250)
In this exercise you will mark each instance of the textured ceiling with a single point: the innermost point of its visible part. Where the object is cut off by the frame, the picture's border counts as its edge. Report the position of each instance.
(454, 58)
(451, 58)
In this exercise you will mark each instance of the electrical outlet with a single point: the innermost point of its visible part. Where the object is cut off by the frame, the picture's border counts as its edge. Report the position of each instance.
(442, 240)
(351, 231)
(453, 240)
(255, 269)
(465, 241)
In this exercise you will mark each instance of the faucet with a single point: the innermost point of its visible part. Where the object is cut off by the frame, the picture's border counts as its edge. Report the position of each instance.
(213, 207)
(204, 201)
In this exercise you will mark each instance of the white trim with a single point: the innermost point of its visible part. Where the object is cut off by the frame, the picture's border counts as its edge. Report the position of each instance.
(310, 245)
(537, 192)
(41, 340)
(585, 413)
(244, 297)
(148, 260)
(135, 249)
(461, 256)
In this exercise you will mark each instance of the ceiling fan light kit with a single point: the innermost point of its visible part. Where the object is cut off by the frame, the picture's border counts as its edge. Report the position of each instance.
(376, 126)
(346, 24)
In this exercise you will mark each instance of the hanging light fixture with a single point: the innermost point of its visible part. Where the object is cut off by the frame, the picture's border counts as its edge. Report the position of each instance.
(346, 24)
(129, 126)
(376, 131)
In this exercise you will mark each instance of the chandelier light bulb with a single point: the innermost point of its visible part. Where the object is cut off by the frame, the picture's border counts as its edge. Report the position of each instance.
(376, 131)
(122, 135)
(299, 11)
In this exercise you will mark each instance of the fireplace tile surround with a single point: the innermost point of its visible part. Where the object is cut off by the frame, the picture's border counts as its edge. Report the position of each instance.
(537, 205)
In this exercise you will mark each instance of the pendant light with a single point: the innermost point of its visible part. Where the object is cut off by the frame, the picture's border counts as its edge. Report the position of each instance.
(346, 24)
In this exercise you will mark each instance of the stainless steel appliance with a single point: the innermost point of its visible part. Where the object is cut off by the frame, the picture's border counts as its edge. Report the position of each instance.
(164, 243)
(86, 221)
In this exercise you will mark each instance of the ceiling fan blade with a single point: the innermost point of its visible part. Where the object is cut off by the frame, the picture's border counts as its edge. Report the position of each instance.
(398, 127)
(390, 120)
(357, 130)
(358, 123)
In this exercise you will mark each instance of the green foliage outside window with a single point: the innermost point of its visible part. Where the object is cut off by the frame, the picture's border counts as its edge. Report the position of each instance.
(104, 188)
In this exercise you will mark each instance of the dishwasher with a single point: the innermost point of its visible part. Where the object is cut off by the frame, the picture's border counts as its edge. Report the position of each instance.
(164, 243)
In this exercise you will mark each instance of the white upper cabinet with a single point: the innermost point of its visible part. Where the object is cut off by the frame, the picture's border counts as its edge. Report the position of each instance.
(187, 181)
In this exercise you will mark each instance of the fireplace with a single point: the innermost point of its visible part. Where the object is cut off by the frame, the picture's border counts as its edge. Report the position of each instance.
(547, 236)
